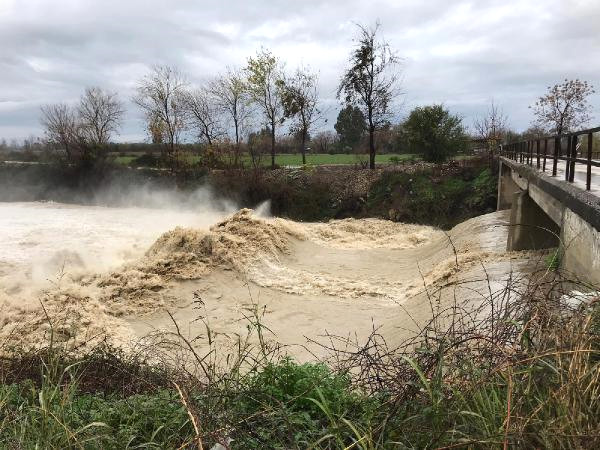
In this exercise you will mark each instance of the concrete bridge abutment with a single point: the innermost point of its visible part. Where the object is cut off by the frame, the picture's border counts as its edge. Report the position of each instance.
(530, 227)
(549, 213)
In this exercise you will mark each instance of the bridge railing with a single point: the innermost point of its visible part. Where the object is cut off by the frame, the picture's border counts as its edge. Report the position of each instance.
(546, 152)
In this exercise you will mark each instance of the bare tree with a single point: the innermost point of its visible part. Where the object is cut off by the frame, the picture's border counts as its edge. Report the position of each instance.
(100, 115)
(325, 141)
(61, 127)
(202, 114)
(160, 95)
(231, 97)
(265, 85)
(371, 81)
(300, 99)
(256, 148)
(565, 106)
(492, 127)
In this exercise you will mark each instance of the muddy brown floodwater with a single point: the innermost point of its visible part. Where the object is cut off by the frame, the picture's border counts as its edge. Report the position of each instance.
(115, 272)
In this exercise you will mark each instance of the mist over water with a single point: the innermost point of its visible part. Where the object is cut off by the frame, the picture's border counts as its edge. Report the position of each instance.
(39, 241)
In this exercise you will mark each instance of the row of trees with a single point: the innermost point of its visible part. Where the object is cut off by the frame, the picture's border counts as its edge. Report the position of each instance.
(225, 104)
(431, 131)
(369, 85)
(263, 95)
(220, 109)
(436, 133)
(172, 106)
(84, 131)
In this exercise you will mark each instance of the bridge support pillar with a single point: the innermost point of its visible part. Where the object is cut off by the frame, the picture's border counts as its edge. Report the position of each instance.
(530, 227)
(506, 188)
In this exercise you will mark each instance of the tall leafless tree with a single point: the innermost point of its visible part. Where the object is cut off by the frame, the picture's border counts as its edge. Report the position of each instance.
(231, 98)
(100, 115)
(202, 114)
(264, 82)
(371, 82)
(492, 127)
(160, 94)
(61, 127)
(300, 98)
(565, 106)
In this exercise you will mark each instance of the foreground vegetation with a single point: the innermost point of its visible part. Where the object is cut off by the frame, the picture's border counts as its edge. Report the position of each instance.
(519, 369)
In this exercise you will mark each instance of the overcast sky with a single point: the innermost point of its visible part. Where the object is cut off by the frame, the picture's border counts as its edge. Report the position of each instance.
(460, 53)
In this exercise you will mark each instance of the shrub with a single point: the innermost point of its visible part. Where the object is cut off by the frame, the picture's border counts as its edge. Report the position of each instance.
(145, 160)
(484, 191)
(423, 197)
(435, 133)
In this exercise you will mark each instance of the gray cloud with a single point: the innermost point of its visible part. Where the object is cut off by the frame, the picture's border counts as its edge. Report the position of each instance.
(461, 53)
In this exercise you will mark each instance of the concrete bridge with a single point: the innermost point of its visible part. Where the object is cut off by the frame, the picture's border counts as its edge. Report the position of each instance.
(547, 212)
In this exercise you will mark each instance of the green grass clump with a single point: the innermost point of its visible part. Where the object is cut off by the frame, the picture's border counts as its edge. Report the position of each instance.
(54, 416)
(309, 399)
(553, 260)
(285, 404)
(53, 410)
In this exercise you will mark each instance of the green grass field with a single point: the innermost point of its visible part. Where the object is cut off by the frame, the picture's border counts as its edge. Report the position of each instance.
(318, 159)
(125, 160)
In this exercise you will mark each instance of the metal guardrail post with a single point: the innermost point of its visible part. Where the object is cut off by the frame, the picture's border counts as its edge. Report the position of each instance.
(545, 153)
(531, 152)
(556, 155)
(567, 158)
(573, 158)
(588, 178)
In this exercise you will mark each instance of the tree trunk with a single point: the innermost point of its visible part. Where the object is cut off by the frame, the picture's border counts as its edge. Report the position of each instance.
(303, 148)
(237, 142)
(272, 145)
(371, 148)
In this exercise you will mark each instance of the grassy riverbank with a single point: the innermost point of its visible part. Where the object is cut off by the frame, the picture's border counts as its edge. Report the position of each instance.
(442, 195)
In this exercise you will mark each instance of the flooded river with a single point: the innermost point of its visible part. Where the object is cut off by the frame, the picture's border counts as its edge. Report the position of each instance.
(116, 272)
